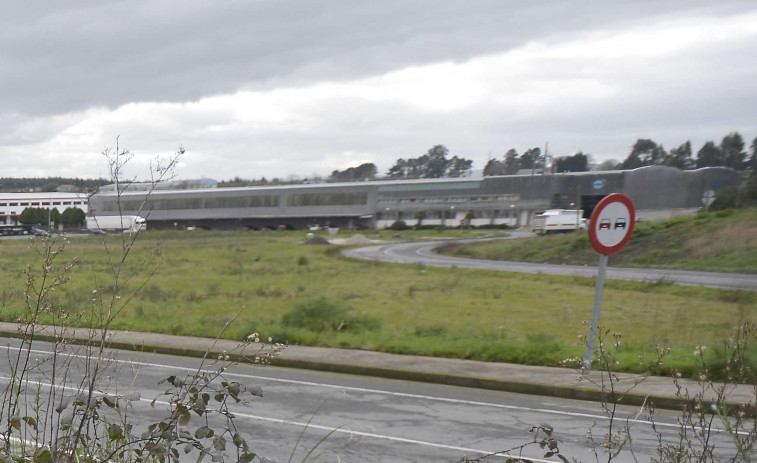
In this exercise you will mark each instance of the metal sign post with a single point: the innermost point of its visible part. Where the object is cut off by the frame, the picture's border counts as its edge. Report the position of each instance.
(332, 232)
(610, 228)
(589, 354)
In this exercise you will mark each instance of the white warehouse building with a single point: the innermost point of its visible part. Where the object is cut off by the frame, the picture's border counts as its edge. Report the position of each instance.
(12, 204)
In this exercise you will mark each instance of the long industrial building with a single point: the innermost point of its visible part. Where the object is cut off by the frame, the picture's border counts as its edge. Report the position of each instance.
(657, 192)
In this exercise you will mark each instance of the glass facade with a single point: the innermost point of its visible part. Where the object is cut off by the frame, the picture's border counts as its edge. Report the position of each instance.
(158, 204)
(328, 199)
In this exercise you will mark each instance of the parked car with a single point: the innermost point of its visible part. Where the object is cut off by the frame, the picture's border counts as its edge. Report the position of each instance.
(98, 231)
(39, 232)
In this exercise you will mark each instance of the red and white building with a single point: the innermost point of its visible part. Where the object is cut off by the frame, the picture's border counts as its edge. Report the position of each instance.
(12, 204)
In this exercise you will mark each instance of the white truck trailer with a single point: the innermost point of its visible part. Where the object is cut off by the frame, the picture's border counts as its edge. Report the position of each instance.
(558, 221)
(125, 223)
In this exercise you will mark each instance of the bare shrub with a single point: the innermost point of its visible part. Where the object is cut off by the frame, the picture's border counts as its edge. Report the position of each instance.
(57, 408)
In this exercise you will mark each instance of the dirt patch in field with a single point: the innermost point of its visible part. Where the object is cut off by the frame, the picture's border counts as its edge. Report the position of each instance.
(316, 240)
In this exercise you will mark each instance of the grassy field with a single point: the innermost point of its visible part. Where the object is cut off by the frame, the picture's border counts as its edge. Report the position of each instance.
(303, 294)
(721, 241)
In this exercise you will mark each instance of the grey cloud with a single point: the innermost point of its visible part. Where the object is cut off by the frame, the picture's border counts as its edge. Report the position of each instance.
(58, 57)
(62, 57)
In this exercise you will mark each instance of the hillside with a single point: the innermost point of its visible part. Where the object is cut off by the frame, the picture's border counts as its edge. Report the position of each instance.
(723, 241)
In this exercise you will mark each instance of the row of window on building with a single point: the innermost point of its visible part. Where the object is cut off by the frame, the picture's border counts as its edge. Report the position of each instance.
(449, 213)
(449, 199)
(292, 200)
(42, 203)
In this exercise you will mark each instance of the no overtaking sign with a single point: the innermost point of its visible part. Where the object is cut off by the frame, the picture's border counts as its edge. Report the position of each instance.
(610, 228)
(611, 224)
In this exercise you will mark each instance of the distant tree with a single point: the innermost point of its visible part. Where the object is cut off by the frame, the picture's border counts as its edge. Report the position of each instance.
(399, 224)
(72, 216)
(398, 170)
(512, 162)
(609, 164)
(510, 165)
(579, 162)
(709, 155)
(494, 167)
(420, 215)
(33, 216)
(680, 157)
(238, 182)
(753, 160)
(366, 171)
(732, 148)
(407, 168)
(530, 158)
(433, 164)
(10, 184)
(30, 215)
(54, 217)
(459, 167)
(644, 152)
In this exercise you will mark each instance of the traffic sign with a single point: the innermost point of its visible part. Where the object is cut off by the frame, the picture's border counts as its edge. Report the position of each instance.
(610, 228)
(708, 198)
(611, 224)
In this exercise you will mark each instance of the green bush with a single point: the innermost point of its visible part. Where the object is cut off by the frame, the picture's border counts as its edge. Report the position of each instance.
(323, 315)
(399, 225)
(735, 197)
(721, 365)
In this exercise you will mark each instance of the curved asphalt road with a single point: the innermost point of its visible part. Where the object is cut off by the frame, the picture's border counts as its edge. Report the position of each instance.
(422, 253)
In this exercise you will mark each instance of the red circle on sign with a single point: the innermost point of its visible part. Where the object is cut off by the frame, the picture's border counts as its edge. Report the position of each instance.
(596, 224)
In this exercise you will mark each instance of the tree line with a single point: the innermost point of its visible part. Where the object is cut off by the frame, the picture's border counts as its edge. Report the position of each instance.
(71, 216)
(436, 163)
(730, 152)
(10, 184)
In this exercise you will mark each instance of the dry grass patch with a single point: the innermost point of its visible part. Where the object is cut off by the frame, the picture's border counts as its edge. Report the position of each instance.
(735, 237)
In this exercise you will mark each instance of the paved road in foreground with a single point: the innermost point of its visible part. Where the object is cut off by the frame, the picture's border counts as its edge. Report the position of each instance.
(366, 419)
(422, 253)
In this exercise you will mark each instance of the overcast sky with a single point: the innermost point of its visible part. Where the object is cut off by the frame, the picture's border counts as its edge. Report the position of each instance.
(277, 88)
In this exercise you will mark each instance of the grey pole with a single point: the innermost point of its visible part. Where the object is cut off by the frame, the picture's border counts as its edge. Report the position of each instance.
(589, 355)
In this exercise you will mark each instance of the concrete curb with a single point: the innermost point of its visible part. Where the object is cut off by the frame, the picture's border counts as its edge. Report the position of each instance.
(564, 383)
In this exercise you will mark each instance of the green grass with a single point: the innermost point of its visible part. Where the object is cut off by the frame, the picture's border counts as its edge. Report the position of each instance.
(205, 278)
(721, 241)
